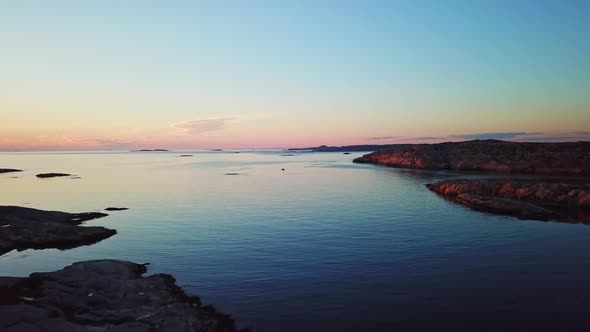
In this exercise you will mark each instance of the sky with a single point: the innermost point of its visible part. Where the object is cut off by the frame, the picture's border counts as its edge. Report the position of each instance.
(123, 74)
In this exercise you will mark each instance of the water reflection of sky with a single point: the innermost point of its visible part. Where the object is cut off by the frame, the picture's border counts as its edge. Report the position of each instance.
(346, 247)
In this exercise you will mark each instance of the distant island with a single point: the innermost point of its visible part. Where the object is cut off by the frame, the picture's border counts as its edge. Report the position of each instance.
(150, 150)
(9, 170)
(347, 148)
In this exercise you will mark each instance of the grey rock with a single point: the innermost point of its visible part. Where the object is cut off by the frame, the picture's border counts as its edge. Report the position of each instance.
(25, 228)
(104, 295)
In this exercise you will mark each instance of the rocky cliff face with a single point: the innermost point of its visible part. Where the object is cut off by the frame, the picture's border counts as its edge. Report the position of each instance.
(525, 199)
(489, 155)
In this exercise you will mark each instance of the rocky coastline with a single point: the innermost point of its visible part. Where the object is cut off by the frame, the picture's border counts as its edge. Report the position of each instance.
(104, 295)
(563, 159)
(559, 200)
(9, 170)
(544, 196)
(101, 295)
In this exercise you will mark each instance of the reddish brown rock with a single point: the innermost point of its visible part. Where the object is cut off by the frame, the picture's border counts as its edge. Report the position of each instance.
(525, 199)
(572, 159)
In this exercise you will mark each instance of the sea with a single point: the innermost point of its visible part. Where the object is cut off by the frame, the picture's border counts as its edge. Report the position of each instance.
(306, 241)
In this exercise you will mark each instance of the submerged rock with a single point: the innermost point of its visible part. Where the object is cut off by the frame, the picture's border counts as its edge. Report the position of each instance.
(539, 199)
(25, 228)
(104, 295)
(9, 170)
(52, 175)
(186, 155)
(488, 155)
(232, 173)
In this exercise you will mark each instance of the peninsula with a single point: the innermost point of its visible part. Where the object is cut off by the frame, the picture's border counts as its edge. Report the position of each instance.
(570, 159)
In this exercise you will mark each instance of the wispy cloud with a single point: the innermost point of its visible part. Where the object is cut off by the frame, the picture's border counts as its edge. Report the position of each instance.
(381, 138)
(501, 135)
(196, 127)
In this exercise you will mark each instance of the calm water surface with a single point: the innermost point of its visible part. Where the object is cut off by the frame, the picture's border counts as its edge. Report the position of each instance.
(325, 245)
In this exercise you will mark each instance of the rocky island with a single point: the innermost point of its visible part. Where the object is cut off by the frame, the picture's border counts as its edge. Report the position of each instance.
(112, 208)
(25, 228)
(9, 170)
(52, 175)
(570, 159)
(150, 150)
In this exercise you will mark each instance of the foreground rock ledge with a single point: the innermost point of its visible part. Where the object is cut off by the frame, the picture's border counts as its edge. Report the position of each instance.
(104, 295)
(25, 228)
(572, 159)
(538, 199)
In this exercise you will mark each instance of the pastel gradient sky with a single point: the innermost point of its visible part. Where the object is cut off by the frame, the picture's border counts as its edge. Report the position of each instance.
(117, 75)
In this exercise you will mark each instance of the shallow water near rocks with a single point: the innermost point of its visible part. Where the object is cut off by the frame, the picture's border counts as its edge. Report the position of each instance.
(324, 245)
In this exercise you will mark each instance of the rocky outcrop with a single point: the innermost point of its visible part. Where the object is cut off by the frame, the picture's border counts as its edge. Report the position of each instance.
(525, 199)
(571, 159)
(25, 228)
(52, 175)
(104, 295)
(9, 170)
